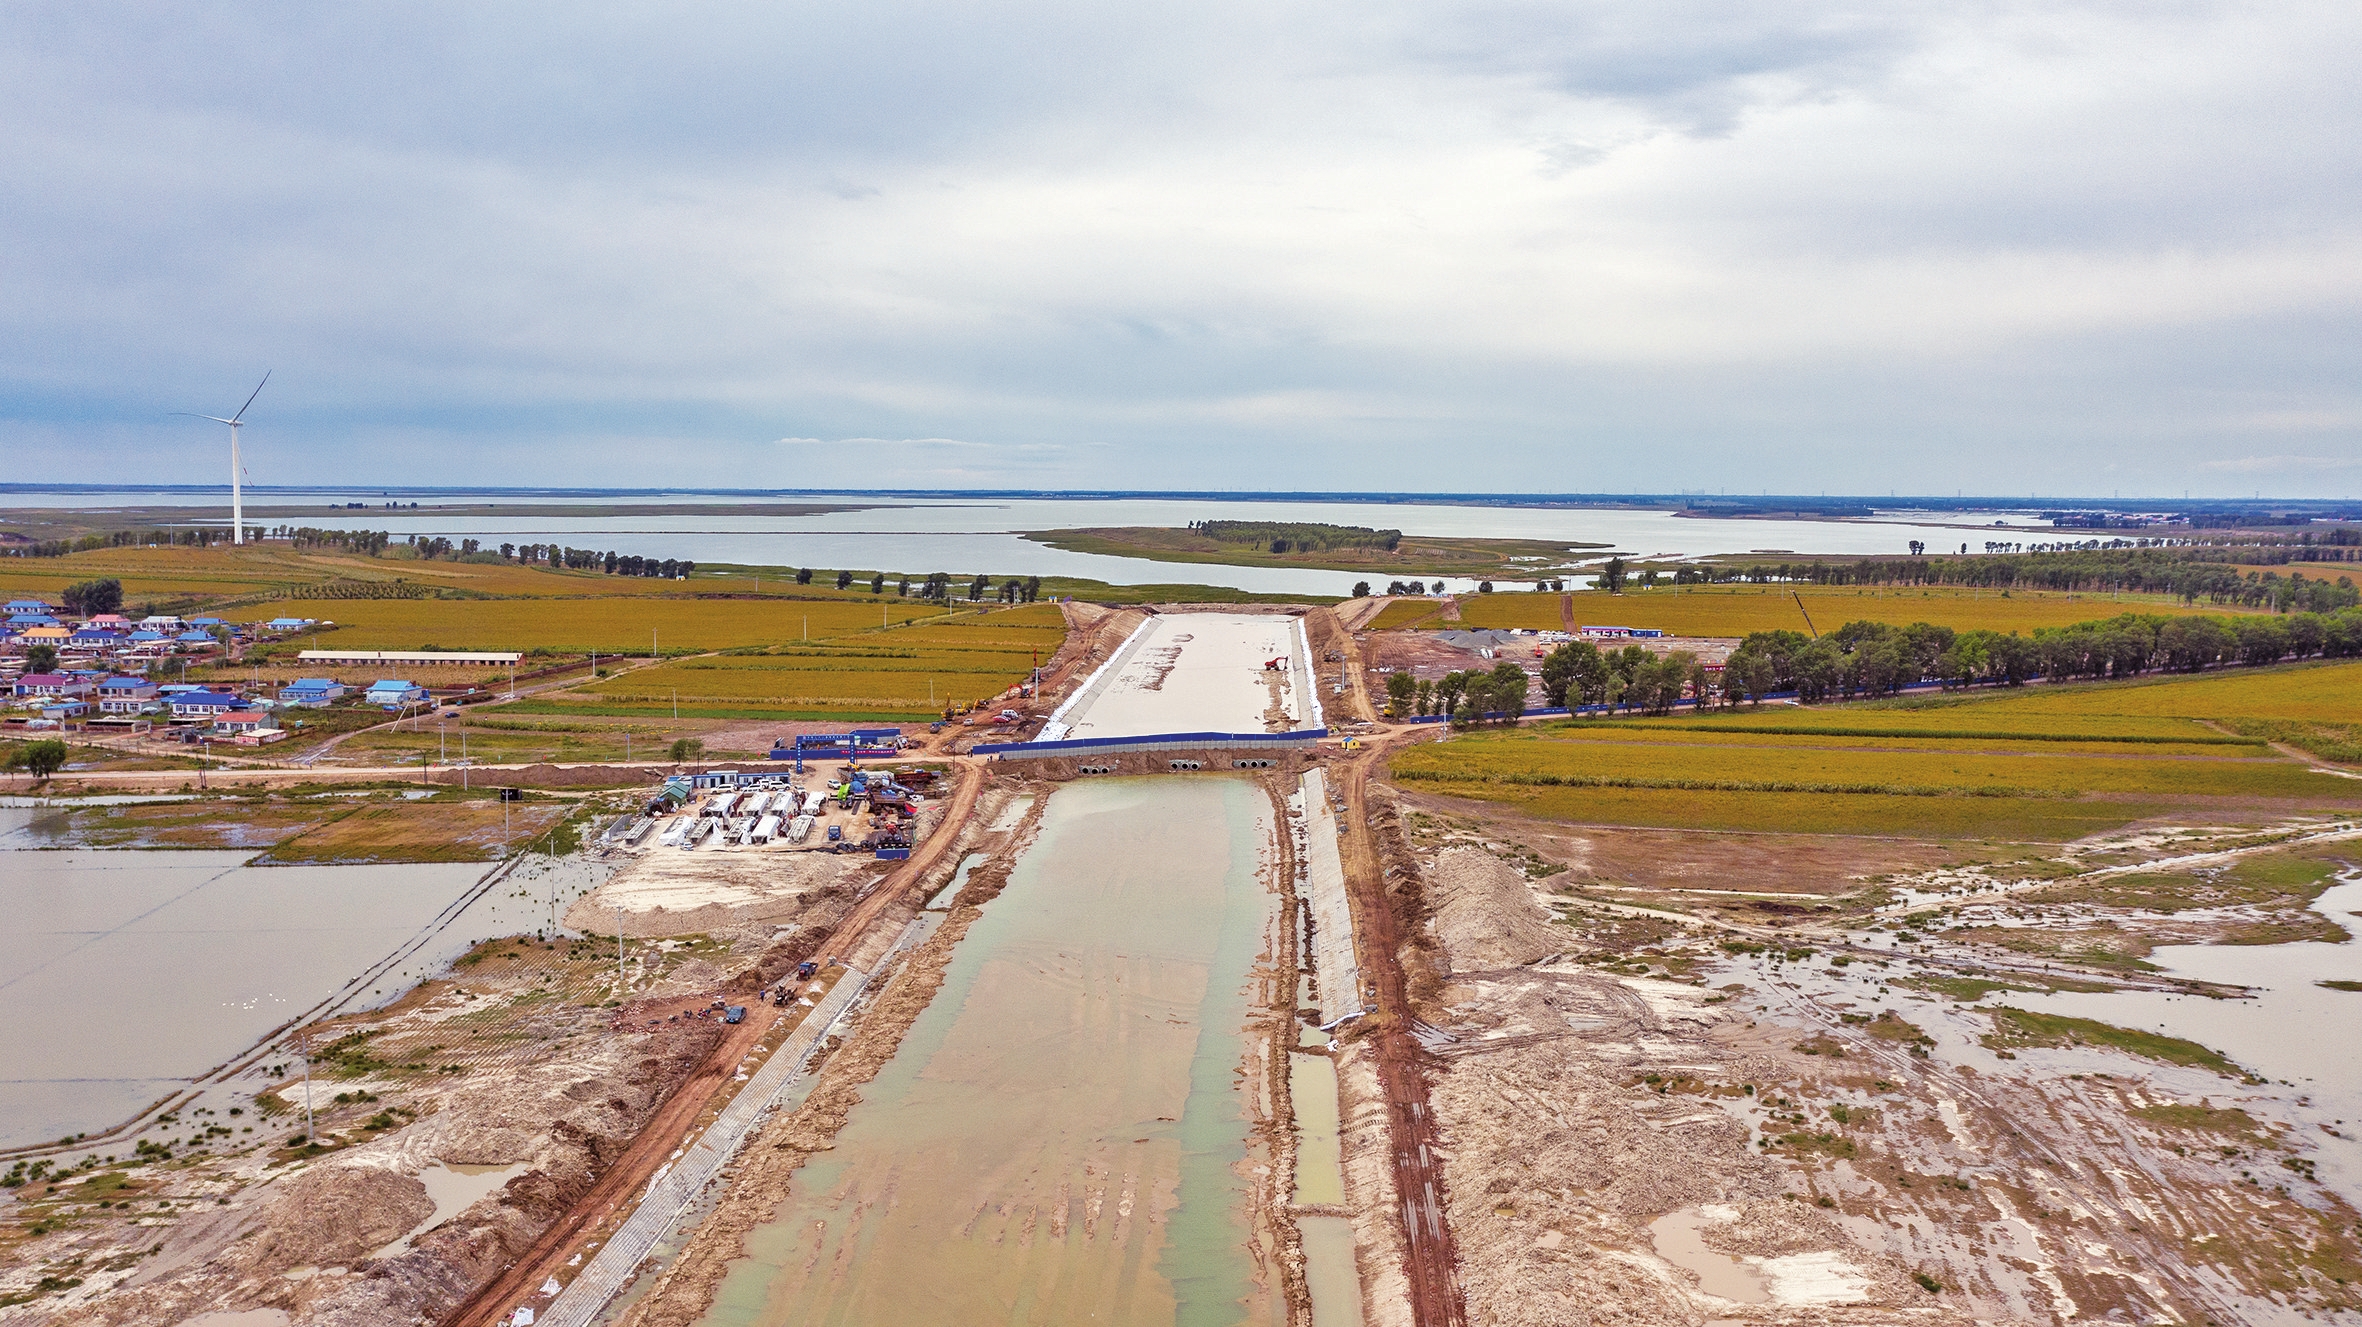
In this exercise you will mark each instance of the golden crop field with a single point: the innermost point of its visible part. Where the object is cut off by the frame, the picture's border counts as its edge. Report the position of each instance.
(2040, 763)
(1405, 612)
(1572, 754)
(2325, 692)
(227, 572)
(610, 625)
(2106, 736)
(909, 672)
(1735, 610)
(2010, 819)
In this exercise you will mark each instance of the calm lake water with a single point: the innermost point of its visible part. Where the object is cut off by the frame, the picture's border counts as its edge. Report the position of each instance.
(127, 973)
(970, 535)
(1056, 1140)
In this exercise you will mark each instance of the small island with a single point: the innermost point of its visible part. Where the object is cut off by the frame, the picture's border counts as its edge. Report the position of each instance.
(1319, 546)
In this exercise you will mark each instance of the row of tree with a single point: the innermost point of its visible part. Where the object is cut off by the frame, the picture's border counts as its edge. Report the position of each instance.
(939, 586)
(370, 542)
(152, 538)
(1298, 536)
(1876, 659)
(2191, 574)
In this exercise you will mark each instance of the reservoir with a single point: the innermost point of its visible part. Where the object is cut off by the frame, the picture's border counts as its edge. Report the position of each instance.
(1060, 1137)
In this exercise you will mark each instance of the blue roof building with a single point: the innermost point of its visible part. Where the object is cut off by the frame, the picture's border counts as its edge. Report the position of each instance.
(392, 691)
(311, 691)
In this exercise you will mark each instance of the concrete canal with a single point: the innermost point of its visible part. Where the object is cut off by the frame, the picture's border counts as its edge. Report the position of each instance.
(1063, 1136)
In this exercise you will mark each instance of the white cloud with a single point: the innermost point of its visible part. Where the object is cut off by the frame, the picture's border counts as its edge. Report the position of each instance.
(1497, 244)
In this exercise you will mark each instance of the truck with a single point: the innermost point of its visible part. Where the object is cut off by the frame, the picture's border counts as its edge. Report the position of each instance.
(836, 833)
(813, 801)
(765, 830)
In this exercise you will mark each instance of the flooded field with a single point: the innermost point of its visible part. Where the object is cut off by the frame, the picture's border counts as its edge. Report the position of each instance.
(1060, 1137)
(130, 972)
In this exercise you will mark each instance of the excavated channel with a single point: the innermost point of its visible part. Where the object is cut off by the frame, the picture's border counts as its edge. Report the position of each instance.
(1062, 1136)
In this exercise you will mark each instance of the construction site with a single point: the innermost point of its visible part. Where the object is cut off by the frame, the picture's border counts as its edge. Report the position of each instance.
(1182, 1000)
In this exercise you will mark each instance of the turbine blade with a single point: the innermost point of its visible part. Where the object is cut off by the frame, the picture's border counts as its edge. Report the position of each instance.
(266, 377)
(191, 414)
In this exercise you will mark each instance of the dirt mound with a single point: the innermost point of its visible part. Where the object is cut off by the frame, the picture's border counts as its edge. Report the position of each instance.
(1485, 915)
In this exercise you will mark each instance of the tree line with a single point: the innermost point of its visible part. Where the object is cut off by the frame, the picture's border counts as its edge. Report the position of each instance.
(1297, 536)
(940, 586)
(154, 538)
(1869, 659)
(2189, 574)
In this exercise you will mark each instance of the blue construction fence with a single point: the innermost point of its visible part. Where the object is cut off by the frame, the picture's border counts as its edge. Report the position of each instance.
(1152, 742)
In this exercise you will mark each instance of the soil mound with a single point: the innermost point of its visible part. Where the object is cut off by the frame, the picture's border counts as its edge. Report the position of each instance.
(1485, 915)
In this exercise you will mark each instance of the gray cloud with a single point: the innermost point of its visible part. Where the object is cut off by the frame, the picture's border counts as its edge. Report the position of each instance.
(1507, 245)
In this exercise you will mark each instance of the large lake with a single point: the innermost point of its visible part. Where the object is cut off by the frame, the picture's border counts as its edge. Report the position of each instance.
(970, 535)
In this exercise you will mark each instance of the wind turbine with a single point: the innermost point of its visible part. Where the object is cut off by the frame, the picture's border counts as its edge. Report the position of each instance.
(237, 471)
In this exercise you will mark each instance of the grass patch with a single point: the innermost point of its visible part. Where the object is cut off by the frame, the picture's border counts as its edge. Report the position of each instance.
(2014, 1028)
(2202, 1117)
(1969, 990)
(434, 830)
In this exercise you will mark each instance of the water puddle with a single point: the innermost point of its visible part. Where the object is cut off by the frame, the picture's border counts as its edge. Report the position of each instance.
(2279, 1031)
(1012, 815)
(454, 1189)
(1059, 1136)
(1719, 1274)
(1320, 1157)
(1329, 1271)
(959, 880)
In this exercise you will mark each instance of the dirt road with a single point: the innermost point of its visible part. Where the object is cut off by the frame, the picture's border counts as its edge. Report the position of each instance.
(630, 1173)
(963, 804)
(1436, 1297)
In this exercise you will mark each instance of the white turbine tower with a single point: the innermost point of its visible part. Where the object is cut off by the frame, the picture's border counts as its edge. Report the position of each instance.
(237, 471)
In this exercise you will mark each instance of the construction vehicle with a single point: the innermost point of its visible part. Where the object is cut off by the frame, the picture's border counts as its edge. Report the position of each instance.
(1274, 665)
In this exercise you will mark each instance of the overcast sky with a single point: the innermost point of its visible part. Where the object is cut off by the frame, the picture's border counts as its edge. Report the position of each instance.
(1649, 245)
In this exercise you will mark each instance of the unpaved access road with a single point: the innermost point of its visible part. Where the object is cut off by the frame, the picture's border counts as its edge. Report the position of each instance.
(632, 1172)
(672, 1122)
(1436, 1296)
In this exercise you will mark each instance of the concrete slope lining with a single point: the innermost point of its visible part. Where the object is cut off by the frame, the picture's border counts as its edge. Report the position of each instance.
(1098, 680)
(1321, 883)
(618, 1261)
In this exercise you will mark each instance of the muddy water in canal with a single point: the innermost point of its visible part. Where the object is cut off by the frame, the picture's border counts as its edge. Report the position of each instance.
(1060, 1137)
